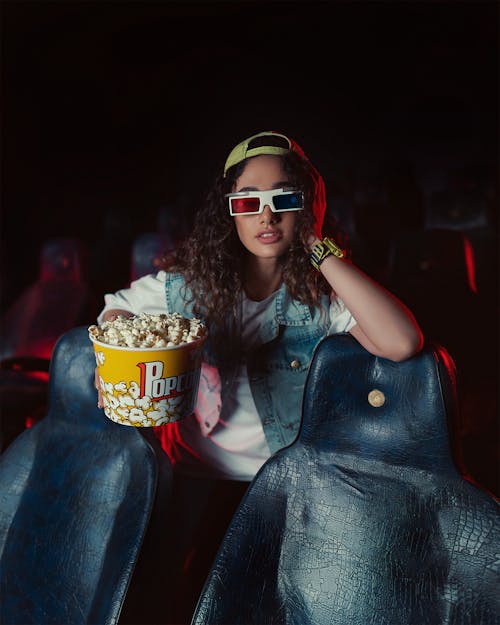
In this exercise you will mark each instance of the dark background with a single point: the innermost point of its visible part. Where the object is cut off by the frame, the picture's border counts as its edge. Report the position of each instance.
(111, 110)
(116, 113)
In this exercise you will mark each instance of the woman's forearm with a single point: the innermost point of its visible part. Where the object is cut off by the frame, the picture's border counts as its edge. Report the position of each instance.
(384, 325)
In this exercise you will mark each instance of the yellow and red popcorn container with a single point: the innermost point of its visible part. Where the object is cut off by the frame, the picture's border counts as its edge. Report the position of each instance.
(148, 386)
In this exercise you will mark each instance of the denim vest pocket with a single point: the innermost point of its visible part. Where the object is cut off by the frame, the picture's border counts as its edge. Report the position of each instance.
(293, 351)
(277, 373)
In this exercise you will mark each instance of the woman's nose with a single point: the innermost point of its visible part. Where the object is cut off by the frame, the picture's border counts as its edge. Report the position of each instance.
(268, 216)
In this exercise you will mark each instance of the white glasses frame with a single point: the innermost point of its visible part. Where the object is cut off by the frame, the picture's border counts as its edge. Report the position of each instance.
(266, 199)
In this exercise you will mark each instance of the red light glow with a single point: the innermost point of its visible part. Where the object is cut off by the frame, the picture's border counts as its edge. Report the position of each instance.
(470, 264)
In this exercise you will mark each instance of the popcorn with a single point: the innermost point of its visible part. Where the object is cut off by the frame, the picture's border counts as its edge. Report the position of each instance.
(134, 389)
(146, 330)
(149, 331)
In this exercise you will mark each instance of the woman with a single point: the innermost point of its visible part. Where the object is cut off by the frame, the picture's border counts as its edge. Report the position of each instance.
(269, 286)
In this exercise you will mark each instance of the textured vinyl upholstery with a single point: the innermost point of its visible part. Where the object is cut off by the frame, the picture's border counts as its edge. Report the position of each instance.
(77, 496)
(364, 519)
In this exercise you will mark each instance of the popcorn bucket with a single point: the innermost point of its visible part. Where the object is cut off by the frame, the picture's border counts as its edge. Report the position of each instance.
(146, 387)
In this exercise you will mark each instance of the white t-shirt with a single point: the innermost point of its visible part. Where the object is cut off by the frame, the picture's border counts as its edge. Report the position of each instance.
(236, 448)
(145, 295)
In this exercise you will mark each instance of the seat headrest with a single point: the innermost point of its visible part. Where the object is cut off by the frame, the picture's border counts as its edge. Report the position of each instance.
(360, 404)
(72, 393)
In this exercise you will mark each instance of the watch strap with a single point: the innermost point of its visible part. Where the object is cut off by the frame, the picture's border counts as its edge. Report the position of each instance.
(322, 249)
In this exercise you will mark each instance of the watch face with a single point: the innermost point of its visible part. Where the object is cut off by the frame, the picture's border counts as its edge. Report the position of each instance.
(333, 248)
(323, 249)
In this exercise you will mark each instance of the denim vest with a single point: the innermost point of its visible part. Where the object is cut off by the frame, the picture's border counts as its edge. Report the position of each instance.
(277, 367)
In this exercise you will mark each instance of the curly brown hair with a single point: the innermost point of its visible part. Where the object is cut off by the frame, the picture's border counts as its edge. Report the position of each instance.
(211, 258)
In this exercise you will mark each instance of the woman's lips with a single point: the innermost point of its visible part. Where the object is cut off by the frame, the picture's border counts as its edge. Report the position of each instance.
(269, 236)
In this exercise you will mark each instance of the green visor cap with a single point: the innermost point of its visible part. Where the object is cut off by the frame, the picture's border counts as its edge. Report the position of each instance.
(276, 144)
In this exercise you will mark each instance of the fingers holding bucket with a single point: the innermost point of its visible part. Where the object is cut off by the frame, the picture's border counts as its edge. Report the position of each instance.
(113, 314)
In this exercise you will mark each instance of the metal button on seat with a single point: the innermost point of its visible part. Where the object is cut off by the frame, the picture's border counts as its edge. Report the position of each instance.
(295, 364)
(376, 398)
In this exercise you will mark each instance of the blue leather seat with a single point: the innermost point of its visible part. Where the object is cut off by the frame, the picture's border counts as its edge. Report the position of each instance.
(58, 300)
(364, 519)
(148, 250)
(82, 500)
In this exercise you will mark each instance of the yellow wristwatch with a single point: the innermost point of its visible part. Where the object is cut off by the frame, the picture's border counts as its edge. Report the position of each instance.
(322, 249)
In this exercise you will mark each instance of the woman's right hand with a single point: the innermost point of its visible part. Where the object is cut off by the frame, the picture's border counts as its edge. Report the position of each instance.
(109, 315)
(114, 313)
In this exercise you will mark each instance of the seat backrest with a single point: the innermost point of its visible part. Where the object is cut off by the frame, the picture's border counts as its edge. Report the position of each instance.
(64, 259)
(364, 519)
(60, 299)
(148, 250)
(76, 495)
(459, 209)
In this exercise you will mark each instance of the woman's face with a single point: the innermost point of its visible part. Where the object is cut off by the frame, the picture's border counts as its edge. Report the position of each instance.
(268, 235)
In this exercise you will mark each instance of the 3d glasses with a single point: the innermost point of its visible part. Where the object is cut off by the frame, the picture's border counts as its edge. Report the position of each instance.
(253, 202)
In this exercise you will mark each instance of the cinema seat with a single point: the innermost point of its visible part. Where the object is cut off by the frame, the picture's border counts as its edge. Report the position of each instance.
(58, 300)
(365, 519)
(82, 501)
(148, 250)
